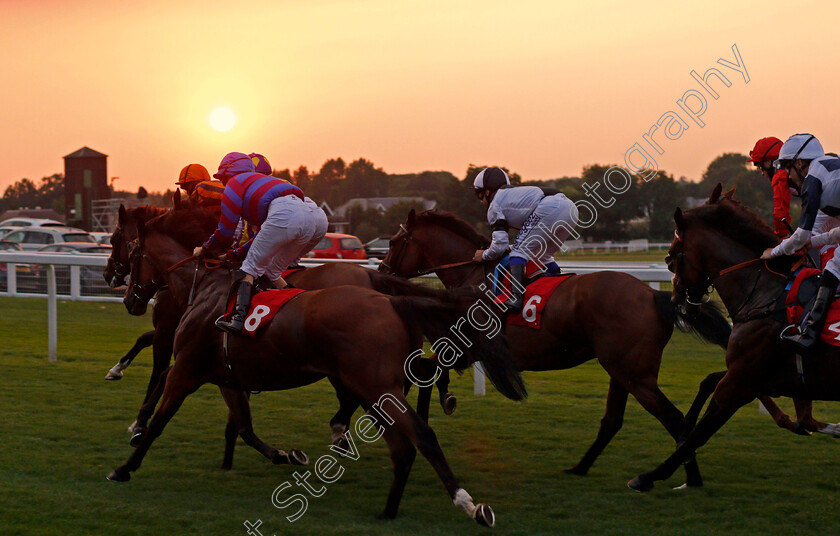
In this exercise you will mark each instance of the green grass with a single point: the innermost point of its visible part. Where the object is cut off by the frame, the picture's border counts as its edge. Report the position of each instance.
(63, 428)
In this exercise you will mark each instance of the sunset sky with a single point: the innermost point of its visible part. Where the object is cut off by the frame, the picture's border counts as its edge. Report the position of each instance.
(541, 87)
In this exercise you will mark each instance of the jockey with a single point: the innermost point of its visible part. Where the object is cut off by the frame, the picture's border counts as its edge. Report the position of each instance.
(203, 192)
(764, 156)
(287, 227)
(544, 218)
(817, 178)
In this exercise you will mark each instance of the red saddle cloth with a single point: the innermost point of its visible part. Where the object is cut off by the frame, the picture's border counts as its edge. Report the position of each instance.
(831, 329)
(289, 271)
(264, 305)
(536, 296)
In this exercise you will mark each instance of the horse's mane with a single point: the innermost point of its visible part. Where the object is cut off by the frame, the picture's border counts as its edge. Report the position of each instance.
(187, 225)
(145, 212)
(450, 221)
(734, 220)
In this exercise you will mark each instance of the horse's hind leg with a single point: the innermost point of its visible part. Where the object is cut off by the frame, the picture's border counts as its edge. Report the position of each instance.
(610, 425)
(240, 412)
(658, 405)
(447, 399)
(806, 421)
(403, 454)
(411, 426)
(143, 341)
(178, 387)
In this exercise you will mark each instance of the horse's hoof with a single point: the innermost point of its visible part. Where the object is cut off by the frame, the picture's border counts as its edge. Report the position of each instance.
(119, 476)
(342, 444)
(484, 515)
(832, 429)
(640, 484)
(449, 403)
(298, 457)
(576, 470)
(800, 429)
(137, 437)
(114, 375)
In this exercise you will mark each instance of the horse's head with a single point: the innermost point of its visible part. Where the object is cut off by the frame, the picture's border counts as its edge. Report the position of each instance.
(146, 278)
(116, 268)
(406, 252)
(691, 282)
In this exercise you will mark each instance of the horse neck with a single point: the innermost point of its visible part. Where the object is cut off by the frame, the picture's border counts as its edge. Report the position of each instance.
(165, 252)
(736, 286)
(449, 248)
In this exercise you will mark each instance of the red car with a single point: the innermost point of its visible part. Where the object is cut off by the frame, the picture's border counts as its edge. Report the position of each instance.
(338, 246)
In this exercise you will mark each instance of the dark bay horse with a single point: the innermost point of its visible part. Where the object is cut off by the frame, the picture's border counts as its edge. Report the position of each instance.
(167, 313)
(608, 316)
(719, 244)
(310, 339)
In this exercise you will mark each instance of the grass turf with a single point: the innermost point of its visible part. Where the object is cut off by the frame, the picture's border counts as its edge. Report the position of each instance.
(64, 428)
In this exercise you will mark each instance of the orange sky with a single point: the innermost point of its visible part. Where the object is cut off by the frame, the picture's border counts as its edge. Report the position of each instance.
(542, 87)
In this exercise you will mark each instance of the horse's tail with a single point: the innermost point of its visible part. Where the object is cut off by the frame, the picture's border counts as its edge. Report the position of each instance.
(706, 321)
(398, 286)
(434, 318)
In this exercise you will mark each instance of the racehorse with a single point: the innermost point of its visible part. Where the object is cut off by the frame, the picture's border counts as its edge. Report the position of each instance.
(609, 316)
(310, 338)
(719, 244)
(167, 314)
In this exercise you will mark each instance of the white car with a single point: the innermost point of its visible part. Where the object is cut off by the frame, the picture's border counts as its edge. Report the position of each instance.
(103, 239)
(30, 222)
(33, 238)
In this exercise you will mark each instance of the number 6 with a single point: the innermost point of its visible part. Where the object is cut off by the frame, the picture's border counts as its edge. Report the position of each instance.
(529, 311)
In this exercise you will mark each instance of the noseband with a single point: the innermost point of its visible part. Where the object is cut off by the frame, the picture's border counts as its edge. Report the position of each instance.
(417, 273)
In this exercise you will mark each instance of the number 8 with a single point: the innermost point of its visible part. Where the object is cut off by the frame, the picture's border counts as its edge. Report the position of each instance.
(254, 319)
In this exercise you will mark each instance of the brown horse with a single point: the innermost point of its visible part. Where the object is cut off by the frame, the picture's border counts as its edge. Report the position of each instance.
(718, 244)
(608, 316)
(310, 339)
(167, 313)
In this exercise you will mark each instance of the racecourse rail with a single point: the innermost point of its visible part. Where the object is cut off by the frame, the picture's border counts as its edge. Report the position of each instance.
(651, 273)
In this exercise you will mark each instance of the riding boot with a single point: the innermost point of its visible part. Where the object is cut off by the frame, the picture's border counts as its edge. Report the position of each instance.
(517, 272)
(240, 310)
(810, 334)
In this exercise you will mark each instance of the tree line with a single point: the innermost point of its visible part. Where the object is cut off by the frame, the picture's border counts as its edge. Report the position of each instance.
(645, 210)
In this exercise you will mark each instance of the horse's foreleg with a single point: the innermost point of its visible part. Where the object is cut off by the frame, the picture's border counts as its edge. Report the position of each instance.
(728, 398)
(447, 399)
(610, 425)
(147, 409)
(781, 418)
(806, 421)
(143, 341)
(161, 357)
(178, 387)
(231, 433)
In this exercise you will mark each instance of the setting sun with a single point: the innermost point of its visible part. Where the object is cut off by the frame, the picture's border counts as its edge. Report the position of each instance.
(222, 119)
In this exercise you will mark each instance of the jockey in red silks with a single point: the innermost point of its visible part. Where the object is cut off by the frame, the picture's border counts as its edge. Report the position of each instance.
(764, 156)
(544, 218)
(288, 228)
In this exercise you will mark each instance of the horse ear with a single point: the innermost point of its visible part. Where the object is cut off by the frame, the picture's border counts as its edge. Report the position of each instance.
(679, 219)
(715, 194)
(176, 199)
(121, 217)
(141, 232)
(410, 220)
(730, 193)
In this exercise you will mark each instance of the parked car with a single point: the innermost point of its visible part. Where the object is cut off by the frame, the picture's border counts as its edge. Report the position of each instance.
(102, 238)
(34, 238)
(338, 246)
(90, 276)
(28, 275)
(30, 222)
(378, 247)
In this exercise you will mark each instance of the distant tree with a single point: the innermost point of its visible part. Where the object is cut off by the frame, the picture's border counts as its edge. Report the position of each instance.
(326, 184)
(284, 174)
(732, 169)
(301, 179)
(24, 193)
(363, 179)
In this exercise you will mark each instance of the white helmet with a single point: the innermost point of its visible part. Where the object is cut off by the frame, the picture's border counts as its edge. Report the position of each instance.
(491, 178)
(801, 147)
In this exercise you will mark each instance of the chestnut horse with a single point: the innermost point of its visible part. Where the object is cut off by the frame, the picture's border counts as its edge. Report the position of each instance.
(609, 316)
(719, 244)
(310, 338)
(167, 314)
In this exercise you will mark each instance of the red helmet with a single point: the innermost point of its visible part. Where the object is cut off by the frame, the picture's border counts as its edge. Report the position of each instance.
(766, 149)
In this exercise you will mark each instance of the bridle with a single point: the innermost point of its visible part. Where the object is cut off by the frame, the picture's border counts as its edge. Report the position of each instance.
(400, 253)
(143, 291)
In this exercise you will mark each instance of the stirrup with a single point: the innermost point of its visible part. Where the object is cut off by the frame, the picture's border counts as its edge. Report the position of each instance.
(234, 325)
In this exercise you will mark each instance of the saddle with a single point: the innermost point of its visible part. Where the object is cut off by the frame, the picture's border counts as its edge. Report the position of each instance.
(799, 299)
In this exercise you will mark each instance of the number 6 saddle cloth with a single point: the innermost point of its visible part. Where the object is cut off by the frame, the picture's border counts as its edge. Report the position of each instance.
(264, 305)
(537, 294)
